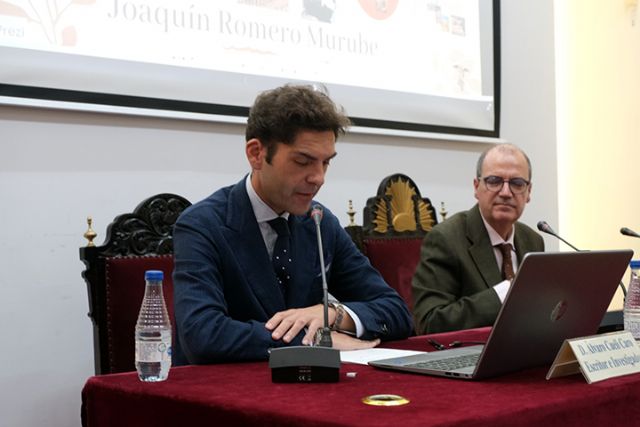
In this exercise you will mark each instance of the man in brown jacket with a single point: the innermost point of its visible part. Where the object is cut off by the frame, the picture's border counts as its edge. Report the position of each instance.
(460, 281)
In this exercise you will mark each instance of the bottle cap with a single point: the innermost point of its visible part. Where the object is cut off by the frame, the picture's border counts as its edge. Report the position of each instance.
(635, 263)
(153, 275)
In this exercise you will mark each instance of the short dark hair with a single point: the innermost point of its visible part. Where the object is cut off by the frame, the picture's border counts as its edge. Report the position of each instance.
(278, 115)
(502, 147)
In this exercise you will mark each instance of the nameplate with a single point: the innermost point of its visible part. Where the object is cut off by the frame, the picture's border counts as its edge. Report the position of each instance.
(598, 357)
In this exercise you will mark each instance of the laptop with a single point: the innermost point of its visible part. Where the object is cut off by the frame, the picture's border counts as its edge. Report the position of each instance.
(554, 296)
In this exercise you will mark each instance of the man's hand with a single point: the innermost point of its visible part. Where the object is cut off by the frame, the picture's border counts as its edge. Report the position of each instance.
(287, 324)
(346, 342)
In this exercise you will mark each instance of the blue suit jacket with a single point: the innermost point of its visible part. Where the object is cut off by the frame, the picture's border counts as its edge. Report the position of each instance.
(225, 288)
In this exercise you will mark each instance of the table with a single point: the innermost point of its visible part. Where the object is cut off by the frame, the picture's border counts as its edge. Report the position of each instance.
(242, 394)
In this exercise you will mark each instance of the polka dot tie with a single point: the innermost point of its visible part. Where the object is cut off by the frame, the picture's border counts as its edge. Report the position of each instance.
(281, 259)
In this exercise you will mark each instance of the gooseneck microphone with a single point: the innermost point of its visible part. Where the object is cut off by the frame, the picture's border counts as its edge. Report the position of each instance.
(325, 334)
(320, 362)
(629, 232)
(546, 228)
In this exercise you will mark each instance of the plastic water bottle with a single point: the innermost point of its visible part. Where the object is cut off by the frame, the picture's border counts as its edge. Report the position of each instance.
(632, 301)
(153, 332)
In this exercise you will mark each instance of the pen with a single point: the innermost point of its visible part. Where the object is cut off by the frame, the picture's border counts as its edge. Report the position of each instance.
(436, 344)
(459, 343)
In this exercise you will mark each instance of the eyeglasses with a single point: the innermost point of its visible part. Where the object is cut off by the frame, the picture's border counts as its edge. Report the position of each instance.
(495, 184)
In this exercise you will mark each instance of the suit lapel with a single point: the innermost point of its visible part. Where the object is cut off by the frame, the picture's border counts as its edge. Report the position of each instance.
(248, 246)
(480, 248)
(521, 242)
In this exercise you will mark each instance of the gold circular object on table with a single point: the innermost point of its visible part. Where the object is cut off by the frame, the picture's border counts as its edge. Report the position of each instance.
(385, 400)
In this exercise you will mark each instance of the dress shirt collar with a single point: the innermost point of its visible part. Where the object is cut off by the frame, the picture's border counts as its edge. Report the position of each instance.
(495, 237)
(261, 210)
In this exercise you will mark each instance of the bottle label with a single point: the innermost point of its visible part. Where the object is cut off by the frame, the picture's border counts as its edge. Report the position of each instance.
(152, 352)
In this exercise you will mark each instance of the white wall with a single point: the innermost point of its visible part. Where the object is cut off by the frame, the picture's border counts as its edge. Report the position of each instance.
(528, 100)
(57, 167)
(598, 69)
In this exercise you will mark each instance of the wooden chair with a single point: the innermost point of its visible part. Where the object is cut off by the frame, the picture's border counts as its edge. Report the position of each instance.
(135, 242)
(394, 223)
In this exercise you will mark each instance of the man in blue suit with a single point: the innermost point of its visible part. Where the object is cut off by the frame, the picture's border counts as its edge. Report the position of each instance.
(230, 304)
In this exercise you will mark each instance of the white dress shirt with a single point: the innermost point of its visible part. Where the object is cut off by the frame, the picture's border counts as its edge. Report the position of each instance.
(264, 214)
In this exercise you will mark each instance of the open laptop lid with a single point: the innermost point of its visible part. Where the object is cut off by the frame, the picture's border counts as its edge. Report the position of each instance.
(554, 296)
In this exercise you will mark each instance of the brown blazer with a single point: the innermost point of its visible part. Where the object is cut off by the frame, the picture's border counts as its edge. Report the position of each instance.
(453, 282)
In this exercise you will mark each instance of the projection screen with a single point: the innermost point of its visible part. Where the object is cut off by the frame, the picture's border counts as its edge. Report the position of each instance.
(416, 65)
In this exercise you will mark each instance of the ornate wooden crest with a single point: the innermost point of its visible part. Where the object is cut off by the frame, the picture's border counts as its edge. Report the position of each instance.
(148, 230)
(399, 209)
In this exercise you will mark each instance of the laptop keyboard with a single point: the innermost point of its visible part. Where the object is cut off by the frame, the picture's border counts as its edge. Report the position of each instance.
(448, 364)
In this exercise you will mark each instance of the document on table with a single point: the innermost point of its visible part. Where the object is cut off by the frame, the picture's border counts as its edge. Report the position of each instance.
(363, 357)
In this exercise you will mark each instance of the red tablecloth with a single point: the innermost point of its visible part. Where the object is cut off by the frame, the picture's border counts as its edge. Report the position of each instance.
(243, 394)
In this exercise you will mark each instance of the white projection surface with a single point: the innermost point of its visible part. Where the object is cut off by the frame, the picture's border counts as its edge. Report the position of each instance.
(425, 65)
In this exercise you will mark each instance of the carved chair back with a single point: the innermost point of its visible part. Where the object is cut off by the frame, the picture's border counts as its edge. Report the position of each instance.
(135, 242)
(395, 221)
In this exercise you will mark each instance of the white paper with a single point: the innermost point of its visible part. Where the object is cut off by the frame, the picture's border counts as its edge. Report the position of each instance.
(363, 357)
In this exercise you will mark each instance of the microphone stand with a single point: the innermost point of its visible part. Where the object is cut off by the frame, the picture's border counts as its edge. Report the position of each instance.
(325, 334)
(629, 232)
(317, 363)
(546, 228)
(567, 243)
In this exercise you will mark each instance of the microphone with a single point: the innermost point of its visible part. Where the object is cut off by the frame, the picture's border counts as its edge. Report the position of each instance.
(316, 214)
(629, 232)
(546, 228)
(309, 364)
(325, 334)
